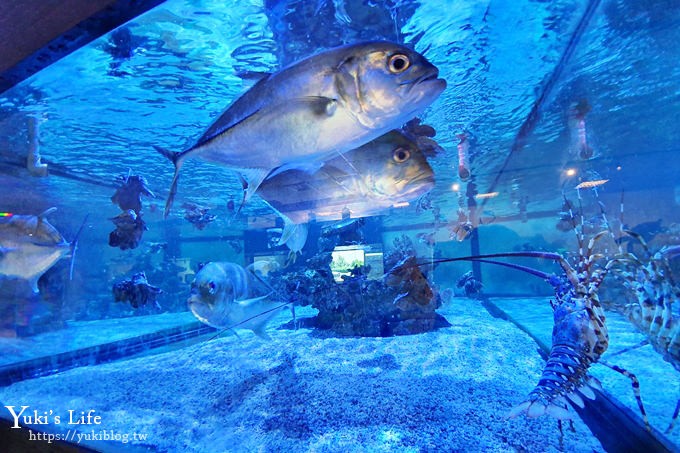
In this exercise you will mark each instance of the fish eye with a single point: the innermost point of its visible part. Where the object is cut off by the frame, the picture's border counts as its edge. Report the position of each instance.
(398, 63)
(401, 155)
(211, 287)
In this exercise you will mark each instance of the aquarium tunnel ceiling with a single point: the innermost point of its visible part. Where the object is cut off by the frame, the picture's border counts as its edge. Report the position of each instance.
(36, 33)
(515, 71)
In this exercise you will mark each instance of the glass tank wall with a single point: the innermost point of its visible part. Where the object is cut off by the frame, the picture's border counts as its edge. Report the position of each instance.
(497, 275)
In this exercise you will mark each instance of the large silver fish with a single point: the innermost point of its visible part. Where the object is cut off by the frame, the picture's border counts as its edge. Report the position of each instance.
(322, 106)
(387, 171)
(29, 246)
(222, 297)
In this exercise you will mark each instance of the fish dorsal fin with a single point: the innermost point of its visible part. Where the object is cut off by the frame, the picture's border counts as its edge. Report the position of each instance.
(252, 75)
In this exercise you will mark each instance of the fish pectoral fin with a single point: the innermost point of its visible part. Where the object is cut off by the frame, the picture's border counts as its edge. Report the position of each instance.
(261, 332)
(307, 167)
(320, 105)
(258, 322)
(6, 250)
(34, 284)
(177, 159)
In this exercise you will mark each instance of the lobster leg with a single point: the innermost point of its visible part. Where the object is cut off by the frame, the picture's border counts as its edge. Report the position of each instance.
(636, 389)
(674, 419)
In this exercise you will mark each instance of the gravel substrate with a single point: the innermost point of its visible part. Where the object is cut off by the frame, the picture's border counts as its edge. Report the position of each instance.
(446, 390)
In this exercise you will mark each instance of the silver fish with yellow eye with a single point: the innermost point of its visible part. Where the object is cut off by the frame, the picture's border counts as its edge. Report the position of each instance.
(391, 170)
(225, 295)
(315, 109)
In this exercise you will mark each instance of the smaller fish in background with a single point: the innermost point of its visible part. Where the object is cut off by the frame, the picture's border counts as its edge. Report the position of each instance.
(647, 230)
(467, 221)
(129, 230)
(122, 46)
(156, 247)
(225, 295)
(29, 246)
(136, 291)
(231, 206)
(347, 230)
(197, 215)
(424, 203)
(409, 281)
(129, 194)
(236, 245)
(263, 268)
(427, 238)
(470, 284)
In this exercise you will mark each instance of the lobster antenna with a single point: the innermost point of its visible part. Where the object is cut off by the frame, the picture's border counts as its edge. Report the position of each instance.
(621, 232)
(608, 226)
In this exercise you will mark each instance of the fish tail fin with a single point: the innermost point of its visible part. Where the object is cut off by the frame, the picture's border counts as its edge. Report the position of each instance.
(291, 228)
(74, 246)
(176, 159)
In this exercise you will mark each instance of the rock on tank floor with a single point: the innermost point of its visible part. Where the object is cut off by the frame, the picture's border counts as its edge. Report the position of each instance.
(305, 391)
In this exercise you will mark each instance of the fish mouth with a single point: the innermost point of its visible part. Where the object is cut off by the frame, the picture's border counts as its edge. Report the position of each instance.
(416, 186)
(429, 75)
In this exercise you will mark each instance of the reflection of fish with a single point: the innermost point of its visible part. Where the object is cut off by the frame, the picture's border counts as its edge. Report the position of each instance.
(646, 230)
(29, 246)
(129, 194)
(198, 215)
(137, 291)
(342, 227)
(222, 297)
(470, 284)
(389, 170)
(129, 230)
(427, 238)
(326, 104)
(409, 278)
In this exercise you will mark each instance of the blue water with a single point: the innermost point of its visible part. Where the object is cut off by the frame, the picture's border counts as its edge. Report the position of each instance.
(514, 70)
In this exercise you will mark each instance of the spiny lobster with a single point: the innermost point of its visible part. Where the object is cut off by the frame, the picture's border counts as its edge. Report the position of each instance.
(579, 336)
(655, 292)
